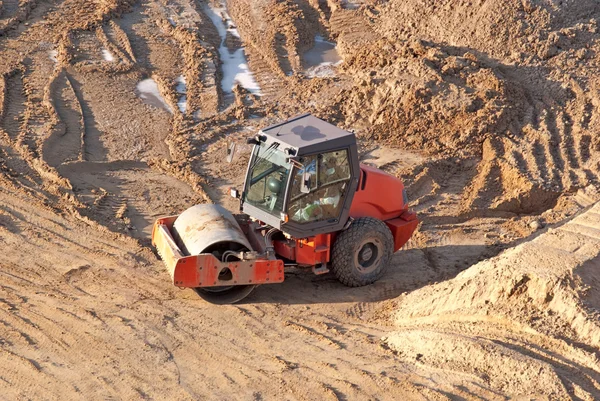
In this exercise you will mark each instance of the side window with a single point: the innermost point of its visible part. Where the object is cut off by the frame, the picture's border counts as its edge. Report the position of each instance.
(333, 167)
(330, 173)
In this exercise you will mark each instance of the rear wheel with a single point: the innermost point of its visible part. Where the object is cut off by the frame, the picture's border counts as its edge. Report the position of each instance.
(362, 252)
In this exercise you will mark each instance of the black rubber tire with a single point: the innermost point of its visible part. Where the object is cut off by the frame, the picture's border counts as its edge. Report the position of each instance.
(348, 264)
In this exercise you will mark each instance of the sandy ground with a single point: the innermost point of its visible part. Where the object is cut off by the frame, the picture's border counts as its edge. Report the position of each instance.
(488, 110)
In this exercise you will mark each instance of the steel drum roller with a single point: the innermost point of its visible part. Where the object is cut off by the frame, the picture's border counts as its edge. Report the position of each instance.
(208, 229)
(212, 229)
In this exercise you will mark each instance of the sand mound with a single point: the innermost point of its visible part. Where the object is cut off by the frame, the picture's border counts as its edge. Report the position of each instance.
(533, 139)
(499, 28)
(542, 296)
(419, 95)
(507, 84)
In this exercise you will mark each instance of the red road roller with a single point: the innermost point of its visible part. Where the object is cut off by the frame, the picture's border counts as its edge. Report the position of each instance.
(306, 201)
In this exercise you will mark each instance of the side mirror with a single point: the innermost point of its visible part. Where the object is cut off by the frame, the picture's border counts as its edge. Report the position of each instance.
(305, 185)
(234, 193)
(230, 151)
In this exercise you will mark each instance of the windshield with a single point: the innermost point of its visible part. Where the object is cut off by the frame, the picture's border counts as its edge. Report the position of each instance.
(267, 178)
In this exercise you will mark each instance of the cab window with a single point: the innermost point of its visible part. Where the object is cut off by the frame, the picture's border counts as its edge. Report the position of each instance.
(329, 178)
(265, 187)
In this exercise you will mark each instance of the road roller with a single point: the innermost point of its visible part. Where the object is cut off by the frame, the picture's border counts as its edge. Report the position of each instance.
(306, 202)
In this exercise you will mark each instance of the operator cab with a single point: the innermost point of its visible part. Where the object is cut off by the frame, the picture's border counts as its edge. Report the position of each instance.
(302, 176)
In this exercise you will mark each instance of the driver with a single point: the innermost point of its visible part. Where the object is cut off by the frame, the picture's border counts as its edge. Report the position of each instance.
(332, 194)
(321, 206)
(324, 204)
(330, 171)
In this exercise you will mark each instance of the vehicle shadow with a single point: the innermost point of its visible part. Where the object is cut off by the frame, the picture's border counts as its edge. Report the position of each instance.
(409, 270)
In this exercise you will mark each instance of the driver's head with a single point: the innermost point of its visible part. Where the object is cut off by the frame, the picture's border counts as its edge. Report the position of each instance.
(330, 166)
(274, 185)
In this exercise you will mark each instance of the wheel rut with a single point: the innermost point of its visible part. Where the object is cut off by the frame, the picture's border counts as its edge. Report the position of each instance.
(65, 143)
(93, 147)
(14, 106)
(8, 8)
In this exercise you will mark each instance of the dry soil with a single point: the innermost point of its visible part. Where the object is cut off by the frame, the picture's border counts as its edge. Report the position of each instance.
(487, 109)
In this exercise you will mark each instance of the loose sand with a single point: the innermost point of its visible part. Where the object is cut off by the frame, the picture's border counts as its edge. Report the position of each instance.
(488, 110)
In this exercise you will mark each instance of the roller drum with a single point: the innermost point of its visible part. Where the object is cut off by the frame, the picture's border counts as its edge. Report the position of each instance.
(212, 229)
(209, 229)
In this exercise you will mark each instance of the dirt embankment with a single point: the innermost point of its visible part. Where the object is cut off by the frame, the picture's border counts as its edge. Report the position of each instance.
(516, 29)
(488, 110)
(522, 323)
(514, 95)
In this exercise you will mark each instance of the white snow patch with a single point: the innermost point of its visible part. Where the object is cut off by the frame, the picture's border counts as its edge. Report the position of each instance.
(322, 53)
(321, 58)
(234, 64)
(107, 55)
(181, 88)
(352, 4)
(181, 85)
(182, 103)
(149, 93)
(325, 70)
(52, 55)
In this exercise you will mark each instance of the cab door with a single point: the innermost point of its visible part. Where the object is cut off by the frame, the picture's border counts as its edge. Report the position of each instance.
(324, 202)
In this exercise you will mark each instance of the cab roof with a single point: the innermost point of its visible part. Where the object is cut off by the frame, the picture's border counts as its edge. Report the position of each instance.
(308, 134)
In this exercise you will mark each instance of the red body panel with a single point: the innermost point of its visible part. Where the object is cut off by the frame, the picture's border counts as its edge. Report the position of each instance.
(203, 270)
(314, 250)
(379, 195)
(309, 251)
(286, 249)
(402, 228)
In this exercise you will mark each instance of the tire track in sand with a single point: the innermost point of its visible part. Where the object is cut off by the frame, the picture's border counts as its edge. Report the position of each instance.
(118, 36)
(8, 8)
(65, 143)
(93, 148)
(13, 105)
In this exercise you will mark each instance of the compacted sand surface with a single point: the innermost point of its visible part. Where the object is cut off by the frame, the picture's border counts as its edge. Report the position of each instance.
(116, 112)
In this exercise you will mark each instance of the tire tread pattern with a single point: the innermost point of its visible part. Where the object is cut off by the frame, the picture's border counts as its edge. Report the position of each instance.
(344, 248)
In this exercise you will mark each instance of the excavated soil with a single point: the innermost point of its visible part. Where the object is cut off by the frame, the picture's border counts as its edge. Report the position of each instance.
(113, 113)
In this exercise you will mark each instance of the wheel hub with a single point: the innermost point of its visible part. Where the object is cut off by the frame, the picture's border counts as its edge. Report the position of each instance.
(366, 253)
(368, 256)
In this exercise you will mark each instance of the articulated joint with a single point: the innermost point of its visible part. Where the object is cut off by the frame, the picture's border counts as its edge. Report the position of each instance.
(270, 249)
